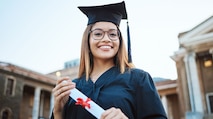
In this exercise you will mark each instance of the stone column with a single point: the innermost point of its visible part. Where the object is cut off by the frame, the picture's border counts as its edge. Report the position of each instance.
(35, 112)
(164, 102)
(51, 103)
(189, 82)
(193, 84)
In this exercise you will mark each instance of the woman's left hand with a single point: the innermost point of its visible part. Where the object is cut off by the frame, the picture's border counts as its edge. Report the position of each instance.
(113, 113)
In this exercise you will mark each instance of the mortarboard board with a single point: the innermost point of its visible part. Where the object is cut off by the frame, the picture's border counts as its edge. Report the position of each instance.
(109, 13)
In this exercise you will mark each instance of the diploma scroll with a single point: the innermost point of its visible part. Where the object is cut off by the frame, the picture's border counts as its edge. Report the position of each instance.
(88, 104)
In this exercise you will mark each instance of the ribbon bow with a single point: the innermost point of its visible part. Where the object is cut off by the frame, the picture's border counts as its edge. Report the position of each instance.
(83, 103)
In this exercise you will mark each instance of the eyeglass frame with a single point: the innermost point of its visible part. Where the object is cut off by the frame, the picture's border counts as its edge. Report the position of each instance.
(108, 35)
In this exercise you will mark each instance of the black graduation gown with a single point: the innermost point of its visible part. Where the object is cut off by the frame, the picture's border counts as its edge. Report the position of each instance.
(133, 92)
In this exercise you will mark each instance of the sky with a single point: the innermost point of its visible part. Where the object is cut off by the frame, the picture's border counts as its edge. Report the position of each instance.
(41, 35)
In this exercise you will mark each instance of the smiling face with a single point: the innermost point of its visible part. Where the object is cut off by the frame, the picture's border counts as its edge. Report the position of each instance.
(107, 47)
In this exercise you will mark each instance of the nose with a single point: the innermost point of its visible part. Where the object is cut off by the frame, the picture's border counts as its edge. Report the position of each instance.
(106, 37)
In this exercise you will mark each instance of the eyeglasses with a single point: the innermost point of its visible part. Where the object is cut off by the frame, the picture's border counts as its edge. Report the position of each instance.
(98, 34)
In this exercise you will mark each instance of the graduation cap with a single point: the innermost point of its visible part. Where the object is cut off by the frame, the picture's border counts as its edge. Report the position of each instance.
(110, 13)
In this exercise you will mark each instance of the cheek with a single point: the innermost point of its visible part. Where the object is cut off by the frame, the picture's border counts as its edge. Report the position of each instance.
(90, 43)
(118, 45)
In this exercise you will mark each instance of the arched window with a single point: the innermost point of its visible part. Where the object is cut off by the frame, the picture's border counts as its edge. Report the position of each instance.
(6, 113)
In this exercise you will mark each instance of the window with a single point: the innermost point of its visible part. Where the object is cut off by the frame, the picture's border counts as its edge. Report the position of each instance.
(5, 115)
(209, 98)
(9, 90)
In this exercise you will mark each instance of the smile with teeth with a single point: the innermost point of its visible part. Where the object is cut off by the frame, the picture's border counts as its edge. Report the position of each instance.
(105, 47)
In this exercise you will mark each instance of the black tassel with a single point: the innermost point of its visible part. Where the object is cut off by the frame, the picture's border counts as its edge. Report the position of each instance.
(129, 44)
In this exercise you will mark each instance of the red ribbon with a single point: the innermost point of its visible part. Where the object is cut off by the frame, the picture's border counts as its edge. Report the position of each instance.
(83, 103)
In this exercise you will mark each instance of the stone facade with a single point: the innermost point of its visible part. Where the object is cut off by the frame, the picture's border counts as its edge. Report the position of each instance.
(24, 94)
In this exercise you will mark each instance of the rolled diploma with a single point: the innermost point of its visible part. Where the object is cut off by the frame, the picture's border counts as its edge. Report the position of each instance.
(94, 109)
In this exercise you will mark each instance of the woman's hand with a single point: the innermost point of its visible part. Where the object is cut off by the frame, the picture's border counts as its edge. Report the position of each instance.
(61, 94)
(113, 113)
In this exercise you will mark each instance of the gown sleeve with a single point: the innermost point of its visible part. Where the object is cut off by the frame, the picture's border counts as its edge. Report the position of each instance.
(148, 103)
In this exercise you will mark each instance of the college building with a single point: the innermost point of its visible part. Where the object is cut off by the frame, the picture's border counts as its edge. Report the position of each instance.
(194, 63)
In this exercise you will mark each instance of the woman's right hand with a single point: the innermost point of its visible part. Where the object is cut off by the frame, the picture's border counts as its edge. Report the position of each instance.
(61, 94)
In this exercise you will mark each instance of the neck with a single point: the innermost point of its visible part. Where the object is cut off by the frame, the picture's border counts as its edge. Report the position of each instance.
(100, 67)
(102, 64)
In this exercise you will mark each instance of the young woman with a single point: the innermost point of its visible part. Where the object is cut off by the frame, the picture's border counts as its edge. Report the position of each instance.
(106, 76)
